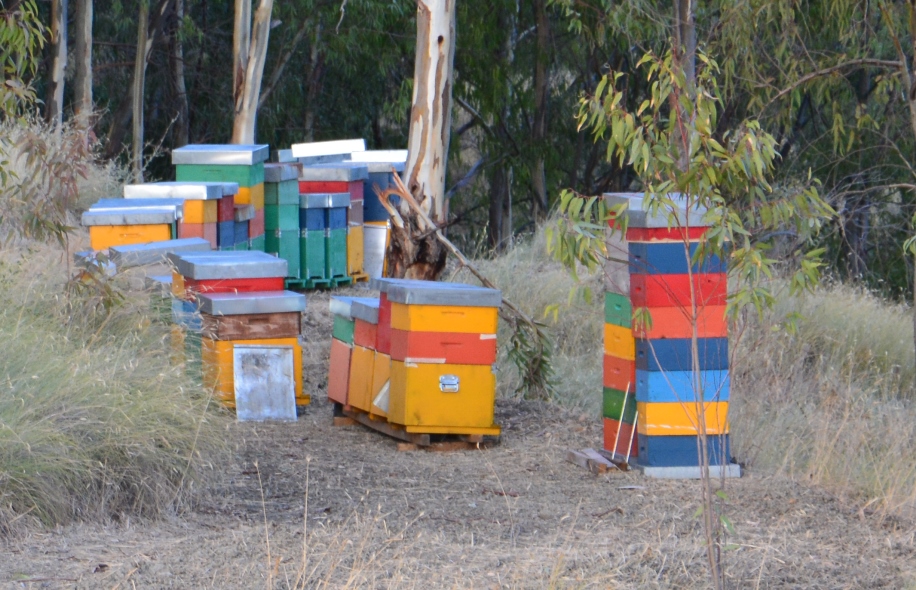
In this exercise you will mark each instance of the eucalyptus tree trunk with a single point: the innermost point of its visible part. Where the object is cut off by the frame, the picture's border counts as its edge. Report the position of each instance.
(136, 93)
(316, 58)
(82, 54)
(499, 229)
(55, 99)
(249, 51)
(415, 253)
(182, 115)
(539, 130)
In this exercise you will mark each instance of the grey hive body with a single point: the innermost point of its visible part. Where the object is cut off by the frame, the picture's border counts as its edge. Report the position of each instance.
(228, 265)
(280, 172)
(343, 306)
(154, 252)
(244, 212)
(251, 303)
(221, 154)
(365, 311)
(192, 191)
(337, 172)
(637, 216)
(130, 216)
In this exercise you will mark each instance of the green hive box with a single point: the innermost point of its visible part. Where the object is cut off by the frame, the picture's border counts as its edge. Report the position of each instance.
(343, 329)
(312, 254)
(336, 256)
(613, 406)
(281, 217)
(617, 310)
(245, 176)
(285, 244)
(282, 193)
(258, 243)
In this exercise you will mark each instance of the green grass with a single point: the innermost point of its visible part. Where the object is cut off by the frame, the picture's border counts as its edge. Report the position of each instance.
(94, 422)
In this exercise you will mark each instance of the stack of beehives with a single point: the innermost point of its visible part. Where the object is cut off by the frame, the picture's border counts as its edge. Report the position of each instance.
(281, 214)
(239, 164)
(241, 304)
(422, 357)
(619, 407)
(679, 390)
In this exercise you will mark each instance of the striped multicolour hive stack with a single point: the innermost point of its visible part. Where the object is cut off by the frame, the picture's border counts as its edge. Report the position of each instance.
(241, 164)
(669, 376)
(281, 214)
(441, 342)
(343, 342)
(323, 240)
(241, 301)
(341, 177)
(203, 205)
(619, 407)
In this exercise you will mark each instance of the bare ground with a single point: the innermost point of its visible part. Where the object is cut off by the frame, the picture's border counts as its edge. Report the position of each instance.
(314, 505)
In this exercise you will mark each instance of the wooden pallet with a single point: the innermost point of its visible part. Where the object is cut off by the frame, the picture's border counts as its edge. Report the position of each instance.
(345, 416)
(340, 281)
(307, 284)
(595, 461)
(359, 277)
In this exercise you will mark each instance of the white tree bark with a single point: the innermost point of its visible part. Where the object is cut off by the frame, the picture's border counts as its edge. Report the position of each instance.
(82, 53)
(55, 112)
(250, 53)
(431, 113)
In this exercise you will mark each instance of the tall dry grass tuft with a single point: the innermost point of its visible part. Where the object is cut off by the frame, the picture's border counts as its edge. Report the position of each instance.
(832, 404)
(94, 422)
(531, 280)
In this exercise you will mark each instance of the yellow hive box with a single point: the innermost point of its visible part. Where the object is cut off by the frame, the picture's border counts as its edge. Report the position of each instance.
(251, 195)
(359, 393)
(444, 318)
(442, 399)
(178, 289)
(619, 342)
(381, 373)
(216, 358)
(102, 237)
(355, 253)
(680, 419)
(199, 212)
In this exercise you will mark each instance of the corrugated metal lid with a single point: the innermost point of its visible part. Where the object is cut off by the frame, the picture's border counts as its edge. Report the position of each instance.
(342, 306)
(228, 265)
(334, 172)
(130, 216)
(367, 312)
(221, 154)
(251, 303)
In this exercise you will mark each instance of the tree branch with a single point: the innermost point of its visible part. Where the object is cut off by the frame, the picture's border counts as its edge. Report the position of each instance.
(879, 63)
(281, 64)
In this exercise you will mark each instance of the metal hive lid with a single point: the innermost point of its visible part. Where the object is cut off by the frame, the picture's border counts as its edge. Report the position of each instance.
(342, 306)
(251, 303)
(221, 154)
(130, 216)
(119, 203)
(320, 200)
(334, 172)
(638, 216)
(194, 191)
(153, 252)
(277, 172)
(365, 311)
(228, 265)
(444, 294)
(244, 212)
(328, 148)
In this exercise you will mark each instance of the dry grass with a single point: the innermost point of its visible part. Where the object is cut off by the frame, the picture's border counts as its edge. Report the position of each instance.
(94, 422)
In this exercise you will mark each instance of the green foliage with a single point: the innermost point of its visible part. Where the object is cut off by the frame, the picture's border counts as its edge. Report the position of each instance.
(671, 141)
(22, 37)
(530, 350)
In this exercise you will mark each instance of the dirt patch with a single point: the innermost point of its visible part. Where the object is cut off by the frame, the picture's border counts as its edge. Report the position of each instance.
(313, 505)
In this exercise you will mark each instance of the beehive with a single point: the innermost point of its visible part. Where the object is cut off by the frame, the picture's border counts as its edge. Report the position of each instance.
(281, 214)
(128, 225)
(619, 407)
(342, 343)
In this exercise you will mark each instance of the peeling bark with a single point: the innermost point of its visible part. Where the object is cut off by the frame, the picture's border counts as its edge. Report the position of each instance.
(82, 54)
(55, 100)
(249, 55)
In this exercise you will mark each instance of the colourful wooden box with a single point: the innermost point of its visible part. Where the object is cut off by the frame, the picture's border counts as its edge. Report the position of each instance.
(225, 209)
(256, 224)
(618, 310)
(206, 231)
(443, 399)
(245, 176)
(678, 386)
(355, 250)
(682, 451)
(339, 371)
(675, 322)
(225, 233)
(336, 253)
(379, 404)
(365, 334)
(676, 354)
(218, 366)
(102, 237)
(253, 326)
(443, 347)
(666, 258)
(252, 195)
(281, 217)
(443, 318)
(619, 373)
(663, 234)
(243, 285)
(680, 419)
(285, 244)
(619, 405)
(674, 290)
(281, 193)
(201, 211)
(344, 329)
(359, 389)
(312, 246)
(618, 436)
(619, 342)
